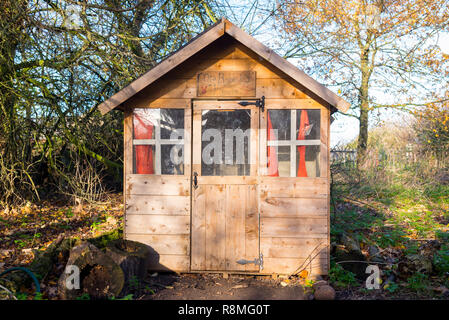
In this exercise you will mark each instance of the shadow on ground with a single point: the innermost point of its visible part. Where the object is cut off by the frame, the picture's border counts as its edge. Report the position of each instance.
(215, 287)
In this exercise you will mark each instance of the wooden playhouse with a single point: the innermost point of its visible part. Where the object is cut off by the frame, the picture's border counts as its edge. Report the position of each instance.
(226, 159)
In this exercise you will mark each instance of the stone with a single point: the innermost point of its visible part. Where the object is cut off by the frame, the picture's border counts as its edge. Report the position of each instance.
(349, 243)
(419, 263)
(324, 292)
(319, 284)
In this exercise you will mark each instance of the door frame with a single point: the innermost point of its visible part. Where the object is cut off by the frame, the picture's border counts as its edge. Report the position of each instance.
(252, 180)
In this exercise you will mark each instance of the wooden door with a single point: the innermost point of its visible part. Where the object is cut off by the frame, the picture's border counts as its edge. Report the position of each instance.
(225, 216)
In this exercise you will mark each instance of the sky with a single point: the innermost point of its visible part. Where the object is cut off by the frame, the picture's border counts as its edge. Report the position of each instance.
(344, 129)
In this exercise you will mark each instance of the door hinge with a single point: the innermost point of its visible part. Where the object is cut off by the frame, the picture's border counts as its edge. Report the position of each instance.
(258, 103)
(257, 262)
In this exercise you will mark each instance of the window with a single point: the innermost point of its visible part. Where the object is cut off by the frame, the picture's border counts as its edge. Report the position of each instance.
(225, 136)
(158, 141)
(293, 143)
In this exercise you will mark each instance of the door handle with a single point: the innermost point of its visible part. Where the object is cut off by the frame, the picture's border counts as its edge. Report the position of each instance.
(195, 180)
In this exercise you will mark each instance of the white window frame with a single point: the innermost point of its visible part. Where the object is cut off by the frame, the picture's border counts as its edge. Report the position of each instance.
(157, 141)
(293, 142)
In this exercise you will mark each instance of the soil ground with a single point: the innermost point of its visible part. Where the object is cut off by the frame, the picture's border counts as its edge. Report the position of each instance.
(215, 287)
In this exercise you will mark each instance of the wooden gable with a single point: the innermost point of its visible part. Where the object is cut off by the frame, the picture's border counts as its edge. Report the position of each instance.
(224, 37)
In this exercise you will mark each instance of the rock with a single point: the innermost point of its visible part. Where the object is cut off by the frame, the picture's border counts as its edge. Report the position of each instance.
(100, 276)
(324, 292)
(373, 251)
(419, 263)
(374, 254)
(349, 243)
(319, 284)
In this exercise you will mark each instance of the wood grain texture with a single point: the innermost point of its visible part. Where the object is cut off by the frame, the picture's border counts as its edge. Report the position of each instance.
(290, 265)
(198, 236)
(237, 61)
(270, 58)
(280, 247)
(169, 262)
(252, 227)
(166, 205)
(157, 224)
(216, 240)
(285, 66)
(292, 227)
(236, 199)
(144, 184)
(293, 207)
(287, 187)
(164, 244)
(226, 83)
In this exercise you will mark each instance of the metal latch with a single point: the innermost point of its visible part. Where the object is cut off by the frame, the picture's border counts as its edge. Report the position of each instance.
(258, 103)
(257, 262)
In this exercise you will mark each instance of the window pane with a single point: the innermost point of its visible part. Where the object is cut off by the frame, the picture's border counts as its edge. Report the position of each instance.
(284, 161)
(172, 159)
(280, 123)
(144, 159)
(144, 121)
(171, 120)
(153, 152)
(308, 124)
(308, 161)
(225, 142)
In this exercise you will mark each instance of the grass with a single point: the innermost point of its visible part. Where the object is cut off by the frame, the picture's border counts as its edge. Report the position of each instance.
(398, 213)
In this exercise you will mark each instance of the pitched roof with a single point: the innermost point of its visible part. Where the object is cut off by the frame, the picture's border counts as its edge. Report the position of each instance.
(203, 40)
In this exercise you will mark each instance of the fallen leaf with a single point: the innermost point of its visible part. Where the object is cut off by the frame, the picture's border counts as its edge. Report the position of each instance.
(304, 274)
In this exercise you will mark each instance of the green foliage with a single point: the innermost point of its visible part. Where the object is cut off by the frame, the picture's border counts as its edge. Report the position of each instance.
(134, 283)
(84, 296)
(441, 261)
(341, 277)
(391, 287)
(38, 296)
(418, 282)
(21, 296)
(149, 290)
(52, 139)
(103, 240)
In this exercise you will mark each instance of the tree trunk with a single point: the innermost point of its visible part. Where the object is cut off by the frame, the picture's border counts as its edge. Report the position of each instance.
(99, 276)
(131, 256)
(362, 142)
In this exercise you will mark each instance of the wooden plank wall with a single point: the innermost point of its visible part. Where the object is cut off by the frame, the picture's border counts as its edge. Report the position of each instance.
(294, 228)
(158, 215)
(294, 212)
